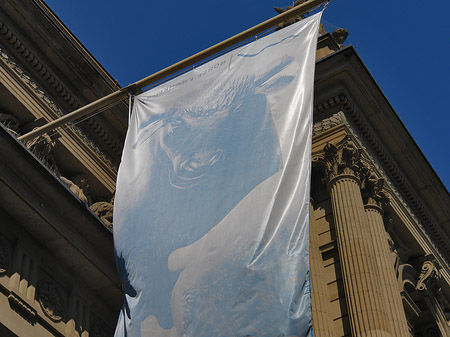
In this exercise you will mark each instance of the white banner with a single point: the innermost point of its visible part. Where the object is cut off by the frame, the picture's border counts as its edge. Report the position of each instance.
(211, 217)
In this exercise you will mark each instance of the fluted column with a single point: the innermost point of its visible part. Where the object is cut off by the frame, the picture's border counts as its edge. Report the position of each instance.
(319, 294)
(343, 170)
(374, 198)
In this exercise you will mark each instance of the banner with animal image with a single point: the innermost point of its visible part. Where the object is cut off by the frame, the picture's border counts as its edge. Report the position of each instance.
(212, 205)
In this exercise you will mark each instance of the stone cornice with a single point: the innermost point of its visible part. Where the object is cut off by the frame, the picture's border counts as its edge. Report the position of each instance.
(41, 94)
(38, 66)
(76, 44)
(433, 232)
(34, 103)
(58, 87)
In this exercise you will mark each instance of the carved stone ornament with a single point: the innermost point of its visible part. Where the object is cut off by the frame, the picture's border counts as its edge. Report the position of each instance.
(11, 123)
(22, 307)
(340, 35)
(104, 210)
(4, 257)
(341, 159)
(56, 109)
(328, 123)
(79, 186)
(51, 300)
(374, 191)
(42, 148)
(428, 278)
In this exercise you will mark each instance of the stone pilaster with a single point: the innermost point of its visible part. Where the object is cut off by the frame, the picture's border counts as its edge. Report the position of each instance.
(343, 171)
(319, 295)
(374, 197)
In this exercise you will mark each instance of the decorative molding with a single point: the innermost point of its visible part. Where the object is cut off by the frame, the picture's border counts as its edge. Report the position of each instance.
(104, 211)
(75, 43)
(343, 158)
(38, 66)
(435, 236)
(439, 237)
(79, 186)
(58, 112)
(374, 191)
(428, 284)
(22, 307)
(429, 277)
(42, 147)
(328, 123)
(329, 103)
(51, 79)
(51, 300)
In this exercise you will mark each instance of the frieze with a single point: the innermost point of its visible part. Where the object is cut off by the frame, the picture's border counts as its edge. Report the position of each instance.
(51, 300)
(38, 66)
(328, 123)
(42, 147)
(57, 110)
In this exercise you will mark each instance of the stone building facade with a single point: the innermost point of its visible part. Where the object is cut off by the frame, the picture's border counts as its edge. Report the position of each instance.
(57, 267)
(380, 216)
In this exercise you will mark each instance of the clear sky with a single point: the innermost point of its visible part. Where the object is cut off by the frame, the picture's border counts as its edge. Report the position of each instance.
(406, 48)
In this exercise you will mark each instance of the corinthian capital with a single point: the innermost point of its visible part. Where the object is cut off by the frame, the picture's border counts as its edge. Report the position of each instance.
(373, 190)
(343, 158)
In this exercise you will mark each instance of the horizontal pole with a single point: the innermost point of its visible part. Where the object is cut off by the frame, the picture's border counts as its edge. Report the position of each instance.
(81, 112)
(132, 88)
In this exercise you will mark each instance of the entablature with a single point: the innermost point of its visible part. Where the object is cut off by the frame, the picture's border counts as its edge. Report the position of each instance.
(413, 234)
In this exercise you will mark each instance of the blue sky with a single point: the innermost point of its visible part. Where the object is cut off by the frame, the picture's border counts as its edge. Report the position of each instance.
(405, 48)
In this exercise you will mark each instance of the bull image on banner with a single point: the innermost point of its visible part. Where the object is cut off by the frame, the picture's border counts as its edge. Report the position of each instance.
(212, 206)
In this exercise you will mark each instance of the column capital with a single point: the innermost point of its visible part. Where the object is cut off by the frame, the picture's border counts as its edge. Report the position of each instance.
(341, 159)
(429, 277)
(373, 190)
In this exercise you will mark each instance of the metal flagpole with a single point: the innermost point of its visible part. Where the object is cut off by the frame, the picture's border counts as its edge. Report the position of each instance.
(132, 88)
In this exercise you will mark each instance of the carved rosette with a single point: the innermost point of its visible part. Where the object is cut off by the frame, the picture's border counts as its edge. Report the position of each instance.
(51, 300)
(428, 278)
(4, 257)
